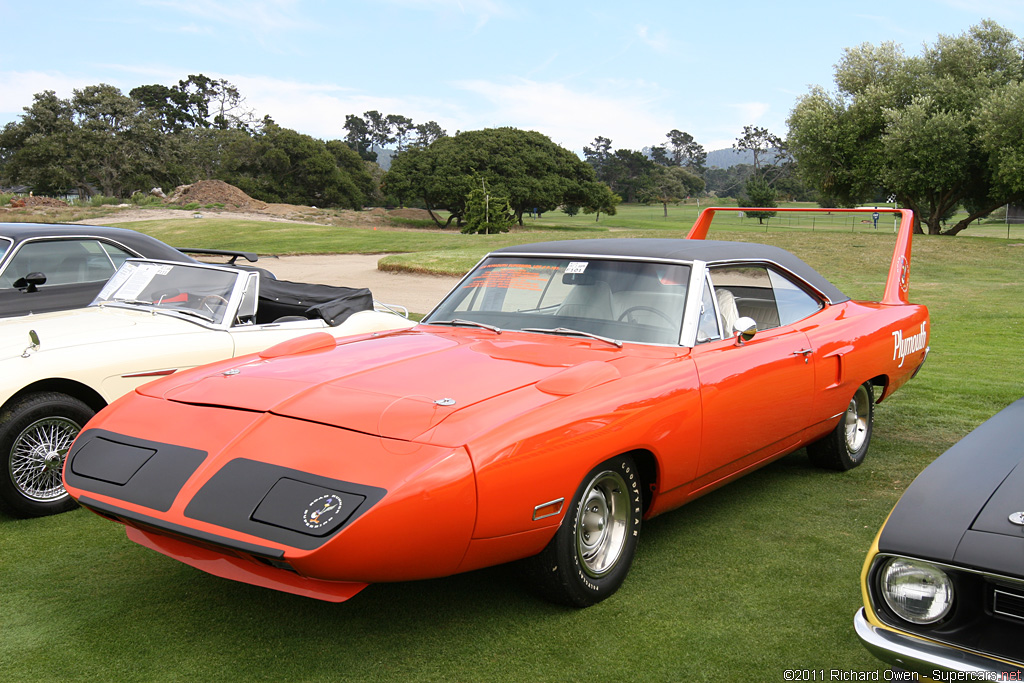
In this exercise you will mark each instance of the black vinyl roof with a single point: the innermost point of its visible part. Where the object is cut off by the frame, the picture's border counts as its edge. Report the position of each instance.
(711, 251)
(144, 245)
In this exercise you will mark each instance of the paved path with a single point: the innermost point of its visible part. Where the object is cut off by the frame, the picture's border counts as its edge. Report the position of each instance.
(419, 293)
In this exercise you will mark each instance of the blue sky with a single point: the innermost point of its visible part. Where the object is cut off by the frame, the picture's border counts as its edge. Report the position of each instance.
(630, 70)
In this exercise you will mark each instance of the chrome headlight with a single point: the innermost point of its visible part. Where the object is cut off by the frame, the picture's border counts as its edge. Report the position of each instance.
(916, 591)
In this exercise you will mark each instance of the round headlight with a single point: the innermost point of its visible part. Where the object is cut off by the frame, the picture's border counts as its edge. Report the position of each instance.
(916, 591)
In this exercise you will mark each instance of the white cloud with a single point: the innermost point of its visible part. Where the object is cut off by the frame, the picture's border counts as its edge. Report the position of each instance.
(570, 118)
(657, 41)
(20, 86)
(262, 18)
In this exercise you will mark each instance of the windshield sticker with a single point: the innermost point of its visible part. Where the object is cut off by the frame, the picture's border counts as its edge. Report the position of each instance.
(140, 279)
(527, 276)
(118, 279)
(575, 267)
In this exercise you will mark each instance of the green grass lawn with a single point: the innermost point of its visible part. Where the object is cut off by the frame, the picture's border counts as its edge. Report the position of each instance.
(756, 578)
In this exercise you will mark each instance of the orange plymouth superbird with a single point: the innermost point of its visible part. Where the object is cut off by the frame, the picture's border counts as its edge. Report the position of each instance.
(561, 394)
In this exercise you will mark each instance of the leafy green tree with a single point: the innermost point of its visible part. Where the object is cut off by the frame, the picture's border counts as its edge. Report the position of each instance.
(629, 173)
(487, 213)
(282, 165)
(378, 128)
(358, 137)
(936, 129)
(684, 151)
(427, 132)
(670, 184)
(524, 166)
(598, 155)
(600, 199)
(758, 193)
(36, 150)
(402, 126)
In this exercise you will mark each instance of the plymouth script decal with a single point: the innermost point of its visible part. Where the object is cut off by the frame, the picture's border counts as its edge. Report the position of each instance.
(904, 346)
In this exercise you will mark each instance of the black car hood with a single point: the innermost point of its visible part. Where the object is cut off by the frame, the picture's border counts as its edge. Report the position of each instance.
(958, 510)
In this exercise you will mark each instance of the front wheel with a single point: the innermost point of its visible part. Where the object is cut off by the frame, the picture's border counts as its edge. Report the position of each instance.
(35, 435)
(845, 446)
(591, 553)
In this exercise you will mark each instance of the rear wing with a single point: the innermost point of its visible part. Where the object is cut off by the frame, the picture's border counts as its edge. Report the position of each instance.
(899, 270)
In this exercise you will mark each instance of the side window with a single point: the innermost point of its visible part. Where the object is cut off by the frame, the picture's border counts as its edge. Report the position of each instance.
(707, 327)
(758, 292)
(794, 303)
(64, 262)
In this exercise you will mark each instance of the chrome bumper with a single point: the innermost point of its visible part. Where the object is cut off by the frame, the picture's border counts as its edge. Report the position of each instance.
(927, 658)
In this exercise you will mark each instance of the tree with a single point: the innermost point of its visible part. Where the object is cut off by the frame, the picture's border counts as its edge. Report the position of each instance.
(759, 194)
(402, 127)
(36, 150)
(282, 165)
(628, 173)
(598, 156)
(487, 213)
(937, 130)
(684, 151)
(524, 166)
(378, 128)
(671, 184)
(600, 199)
(764, 145)
(427, 132)
(358, 137)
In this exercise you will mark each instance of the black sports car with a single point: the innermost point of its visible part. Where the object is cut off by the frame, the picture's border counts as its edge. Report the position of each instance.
(944, 583)
(47, 267)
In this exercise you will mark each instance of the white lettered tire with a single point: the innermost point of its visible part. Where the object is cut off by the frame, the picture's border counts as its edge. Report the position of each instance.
(591, 553)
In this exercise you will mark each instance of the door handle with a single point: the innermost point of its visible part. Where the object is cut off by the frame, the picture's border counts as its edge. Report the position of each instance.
(805, 353)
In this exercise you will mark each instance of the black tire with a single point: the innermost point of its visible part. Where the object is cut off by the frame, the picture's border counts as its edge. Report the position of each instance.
(588, 558)
(845, 446)
(35, 435)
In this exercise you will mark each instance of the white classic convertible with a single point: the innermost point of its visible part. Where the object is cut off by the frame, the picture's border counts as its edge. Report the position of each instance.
(151, 319)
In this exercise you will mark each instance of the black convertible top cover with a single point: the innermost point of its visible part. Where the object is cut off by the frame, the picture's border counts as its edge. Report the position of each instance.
(281, 298)
(711, 251)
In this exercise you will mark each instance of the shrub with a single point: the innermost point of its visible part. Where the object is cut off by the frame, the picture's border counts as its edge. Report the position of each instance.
(100, 200)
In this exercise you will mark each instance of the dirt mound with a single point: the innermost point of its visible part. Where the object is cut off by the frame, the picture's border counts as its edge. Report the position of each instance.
(32, 201)
(414, 214)
(207, 192)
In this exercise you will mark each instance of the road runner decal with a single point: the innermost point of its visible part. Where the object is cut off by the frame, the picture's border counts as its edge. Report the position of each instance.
(904, 347)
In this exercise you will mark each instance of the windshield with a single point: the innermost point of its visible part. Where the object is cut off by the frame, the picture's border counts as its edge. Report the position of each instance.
(190, 290)
(620, 300)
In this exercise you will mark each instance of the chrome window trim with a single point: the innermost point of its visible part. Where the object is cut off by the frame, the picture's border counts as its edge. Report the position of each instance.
(234, 301)
(10, 255)
(691, 309)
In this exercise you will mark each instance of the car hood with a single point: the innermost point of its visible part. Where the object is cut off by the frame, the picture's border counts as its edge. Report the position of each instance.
(64, 329)
(403, 384)
(959, 509)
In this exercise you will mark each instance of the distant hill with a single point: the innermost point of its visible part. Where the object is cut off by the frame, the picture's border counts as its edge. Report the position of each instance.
(725, 158)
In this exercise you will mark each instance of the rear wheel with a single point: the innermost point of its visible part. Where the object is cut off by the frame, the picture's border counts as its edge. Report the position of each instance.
(35, 436)
(591, 553)
(845, 446)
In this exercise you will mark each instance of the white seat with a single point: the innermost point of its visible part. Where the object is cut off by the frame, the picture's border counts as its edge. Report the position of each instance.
(727, 309)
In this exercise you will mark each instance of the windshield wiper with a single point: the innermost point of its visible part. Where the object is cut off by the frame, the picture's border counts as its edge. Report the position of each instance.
(131, 302)
(470, 323)
(189, 311)
(578, 333)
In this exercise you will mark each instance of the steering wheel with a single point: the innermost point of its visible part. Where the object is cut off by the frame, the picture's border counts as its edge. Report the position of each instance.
(206, 301)
(626, 314)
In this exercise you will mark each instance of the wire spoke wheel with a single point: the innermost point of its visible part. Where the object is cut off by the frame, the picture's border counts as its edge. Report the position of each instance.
(37, 457)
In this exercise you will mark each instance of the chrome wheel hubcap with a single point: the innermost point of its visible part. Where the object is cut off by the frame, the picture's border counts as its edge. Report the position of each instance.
(601, 523)
(37, 458)
(857, 419)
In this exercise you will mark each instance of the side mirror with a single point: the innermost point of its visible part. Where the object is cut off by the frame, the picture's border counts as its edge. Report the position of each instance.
(745, 328)
(30, 282)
